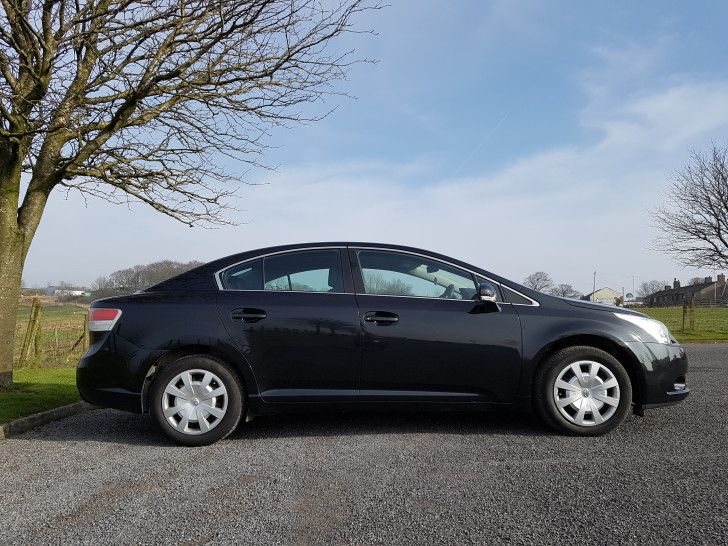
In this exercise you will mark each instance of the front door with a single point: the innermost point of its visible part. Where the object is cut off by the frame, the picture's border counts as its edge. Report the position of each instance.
(426, 337)
(295, 320)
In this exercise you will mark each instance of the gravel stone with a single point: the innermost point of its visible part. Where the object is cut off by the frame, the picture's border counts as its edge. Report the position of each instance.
(108, 477)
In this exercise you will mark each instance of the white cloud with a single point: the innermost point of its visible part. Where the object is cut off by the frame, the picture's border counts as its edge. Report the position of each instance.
(677, 117)
(568, 210)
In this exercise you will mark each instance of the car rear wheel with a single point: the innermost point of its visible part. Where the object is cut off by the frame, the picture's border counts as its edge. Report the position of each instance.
(196, 400)
(582, 391)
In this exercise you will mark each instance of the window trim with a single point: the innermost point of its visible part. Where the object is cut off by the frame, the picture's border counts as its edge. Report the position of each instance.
(219, 272)
(345, 252)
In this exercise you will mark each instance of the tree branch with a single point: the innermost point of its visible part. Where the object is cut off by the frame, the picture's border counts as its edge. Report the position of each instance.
(126, 99)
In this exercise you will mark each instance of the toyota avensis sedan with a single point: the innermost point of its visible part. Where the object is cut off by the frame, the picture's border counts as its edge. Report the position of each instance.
(365, 326)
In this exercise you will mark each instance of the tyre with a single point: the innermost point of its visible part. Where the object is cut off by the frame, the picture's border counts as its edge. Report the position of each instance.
(196, 400)
(582, 391)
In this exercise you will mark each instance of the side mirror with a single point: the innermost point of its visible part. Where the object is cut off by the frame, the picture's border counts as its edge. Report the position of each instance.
(486, 292)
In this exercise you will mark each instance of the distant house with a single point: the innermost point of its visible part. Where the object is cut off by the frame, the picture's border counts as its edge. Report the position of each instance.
(708, 291)
(603, 295)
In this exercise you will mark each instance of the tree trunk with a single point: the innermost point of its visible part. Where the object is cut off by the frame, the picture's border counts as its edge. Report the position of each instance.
(11, 271)
(12, 256)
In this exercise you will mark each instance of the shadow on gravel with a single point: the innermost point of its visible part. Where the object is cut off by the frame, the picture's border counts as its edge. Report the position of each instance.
(399, 422)
(101, 425)
(133, 429)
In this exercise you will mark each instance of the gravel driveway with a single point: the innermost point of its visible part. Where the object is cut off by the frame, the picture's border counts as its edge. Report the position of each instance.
(108, 477)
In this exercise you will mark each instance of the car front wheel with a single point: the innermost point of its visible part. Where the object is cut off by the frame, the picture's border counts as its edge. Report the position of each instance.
(196, 400)
(582, 391)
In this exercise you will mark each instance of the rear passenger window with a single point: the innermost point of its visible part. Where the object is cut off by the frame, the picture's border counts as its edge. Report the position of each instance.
(306, 271)
(303, 271)
(245, 276)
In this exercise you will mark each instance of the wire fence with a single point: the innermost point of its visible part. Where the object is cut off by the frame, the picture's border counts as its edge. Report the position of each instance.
(49, 335)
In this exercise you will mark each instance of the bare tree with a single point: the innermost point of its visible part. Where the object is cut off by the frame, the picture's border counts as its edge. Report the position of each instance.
(139, 277)
(138, 100)
(565, 291)
(646, 288)
(694, 221)
(697, 280)
(538, 281)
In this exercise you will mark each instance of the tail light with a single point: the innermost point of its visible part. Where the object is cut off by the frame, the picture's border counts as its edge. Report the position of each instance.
(102, 320)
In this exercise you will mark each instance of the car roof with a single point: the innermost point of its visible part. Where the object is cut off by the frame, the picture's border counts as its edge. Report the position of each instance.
(355, 244)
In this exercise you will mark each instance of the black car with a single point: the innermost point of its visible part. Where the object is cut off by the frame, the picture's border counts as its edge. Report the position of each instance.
(368, 326)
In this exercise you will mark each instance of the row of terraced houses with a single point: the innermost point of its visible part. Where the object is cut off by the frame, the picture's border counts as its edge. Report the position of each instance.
(703, 293)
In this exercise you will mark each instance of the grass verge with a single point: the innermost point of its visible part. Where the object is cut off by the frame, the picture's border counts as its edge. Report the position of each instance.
(36, 390)
(710, 323)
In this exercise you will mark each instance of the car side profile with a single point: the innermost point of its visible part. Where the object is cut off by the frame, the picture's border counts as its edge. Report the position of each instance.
(368, 326)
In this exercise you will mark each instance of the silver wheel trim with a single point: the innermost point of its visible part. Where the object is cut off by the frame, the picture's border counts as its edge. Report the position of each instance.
(586, 393)
(194, 401)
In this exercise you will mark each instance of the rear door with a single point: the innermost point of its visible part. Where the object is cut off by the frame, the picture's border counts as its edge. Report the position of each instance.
(424, 337)
(294, 317)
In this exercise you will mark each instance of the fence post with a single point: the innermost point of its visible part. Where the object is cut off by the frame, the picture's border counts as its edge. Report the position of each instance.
(684, 316)
(29, 331)
(692, 314)
(85, 334)
(38, 338)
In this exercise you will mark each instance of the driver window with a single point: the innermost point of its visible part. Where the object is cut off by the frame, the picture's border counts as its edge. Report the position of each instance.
(399, 274)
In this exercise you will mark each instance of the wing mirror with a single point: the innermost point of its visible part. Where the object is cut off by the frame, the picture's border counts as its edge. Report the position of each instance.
(486, 292)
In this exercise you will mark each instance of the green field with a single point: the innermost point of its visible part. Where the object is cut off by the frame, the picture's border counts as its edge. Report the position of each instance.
(711, 323)
(37, 389)
(48, 378)
(61, 326)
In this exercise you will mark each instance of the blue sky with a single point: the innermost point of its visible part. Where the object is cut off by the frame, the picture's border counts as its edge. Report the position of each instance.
(520, 136)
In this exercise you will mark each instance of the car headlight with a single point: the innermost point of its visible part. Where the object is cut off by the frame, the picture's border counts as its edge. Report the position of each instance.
(654, 328)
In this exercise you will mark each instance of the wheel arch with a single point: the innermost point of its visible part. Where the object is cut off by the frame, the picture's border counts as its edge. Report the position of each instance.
(172, 355)
(621, 353)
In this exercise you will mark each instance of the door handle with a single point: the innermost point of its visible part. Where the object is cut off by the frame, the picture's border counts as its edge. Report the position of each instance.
(381, 318)
(248, 314)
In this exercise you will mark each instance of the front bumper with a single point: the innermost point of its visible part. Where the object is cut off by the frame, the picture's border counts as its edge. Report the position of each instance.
(664, 368)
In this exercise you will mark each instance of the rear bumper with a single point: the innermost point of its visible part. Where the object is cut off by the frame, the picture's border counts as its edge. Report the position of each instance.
(663, 367)
(109, 397)
(108, 374)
